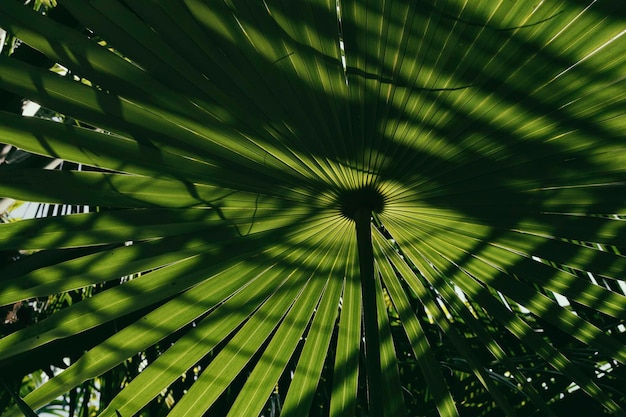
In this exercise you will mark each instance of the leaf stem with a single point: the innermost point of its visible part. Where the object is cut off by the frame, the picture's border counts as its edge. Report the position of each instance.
(362, 220)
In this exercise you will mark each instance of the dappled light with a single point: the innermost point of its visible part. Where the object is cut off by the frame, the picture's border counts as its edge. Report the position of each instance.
(322, 207)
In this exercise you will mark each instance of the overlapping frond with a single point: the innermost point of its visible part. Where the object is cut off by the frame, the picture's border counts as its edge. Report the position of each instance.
(344, 207)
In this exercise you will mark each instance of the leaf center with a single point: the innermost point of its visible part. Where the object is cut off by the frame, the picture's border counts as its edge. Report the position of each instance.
(365, 198)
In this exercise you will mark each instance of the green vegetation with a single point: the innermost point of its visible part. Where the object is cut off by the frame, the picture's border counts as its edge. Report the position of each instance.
(315, 207)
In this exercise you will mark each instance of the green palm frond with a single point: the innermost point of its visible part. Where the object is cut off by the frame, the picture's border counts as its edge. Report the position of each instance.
(323, 207)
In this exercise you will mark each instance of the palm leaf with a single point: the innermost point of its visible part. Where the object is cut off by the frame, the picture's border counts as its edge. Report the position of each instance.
(329, 207)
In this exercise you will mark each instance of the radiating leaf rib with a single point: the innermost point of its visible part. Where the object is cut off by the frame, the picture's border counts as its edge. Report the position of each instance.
(578, 227)
(150, 124)
(569, 285)
(390, 375)
(106, 227)
(99, 267)
(318, 29)
(97, 149)
(517, 253)
(436, 280)
(570, 253)
(86, 58)
(309, 68)
(107, 306)
(526, 335)
(174, 23)
(315, 58)
(118, 22)
(134, 38)
(199, 21)
(120, 300)
(518, 327)
(117, 190)
(304, 293)
(492, 275)
(309, 369)
(194, 346)
(492, 130)
(143, 224)
(240, 22)
(228, 363)
(70, 97)
(262, 379)
(343, 400)
(452, 301)
(163, 321)
(504, 63)
(478, 367)
(419, 343)
(215, 65)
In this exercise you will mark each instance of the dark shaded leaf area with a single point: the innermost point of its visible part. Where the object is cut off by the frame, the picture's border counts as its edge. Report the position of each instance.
(314, 207)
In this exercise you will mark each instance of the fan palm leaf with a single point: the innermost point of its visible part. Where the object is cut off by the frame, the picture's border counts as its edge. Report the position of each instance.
(357, 198)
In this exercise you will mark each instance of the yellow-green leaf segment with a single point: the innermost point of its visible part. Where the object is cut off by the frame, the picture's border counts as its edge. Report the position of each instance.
(320, 207)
